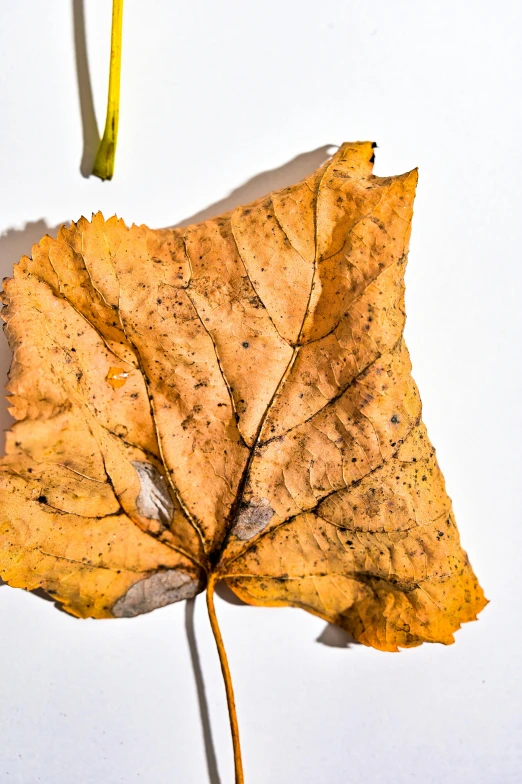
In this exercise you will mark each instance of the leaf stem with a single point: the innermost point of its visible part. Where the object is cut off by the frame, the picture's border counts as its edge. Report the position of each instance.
(104, 162)
(234, 727)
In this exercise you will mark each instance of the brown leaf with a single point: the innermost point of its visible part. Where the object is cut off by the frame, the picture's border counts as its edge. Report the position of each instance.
(232, 400)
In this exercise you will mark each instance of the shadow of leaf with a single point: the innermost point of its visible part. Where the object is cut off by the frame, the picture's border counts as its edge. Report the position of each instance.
(335, 637)
(228, 595)
(264, 183)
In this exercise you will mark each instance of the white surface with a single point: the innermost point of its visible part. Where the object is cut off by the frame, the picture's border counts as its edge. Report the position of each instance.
(212, 95)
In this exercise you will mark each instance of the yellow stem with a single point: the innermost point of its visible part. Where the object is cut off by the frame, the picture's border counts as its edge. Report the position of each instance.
(104, 162)
(234, 727)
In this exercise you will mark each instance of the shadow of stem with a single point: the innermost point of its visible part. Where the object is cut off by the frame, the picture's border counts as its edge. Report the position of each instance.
(210, 753)
(91, 135)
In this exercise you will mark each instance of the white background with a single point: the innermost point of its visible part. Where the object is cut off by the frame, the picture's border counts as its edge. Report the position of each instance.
(215, 94)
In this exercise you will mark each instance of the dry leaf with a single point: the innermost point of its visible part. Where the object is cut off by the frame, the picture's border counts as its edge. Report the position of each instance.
(232, 400)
